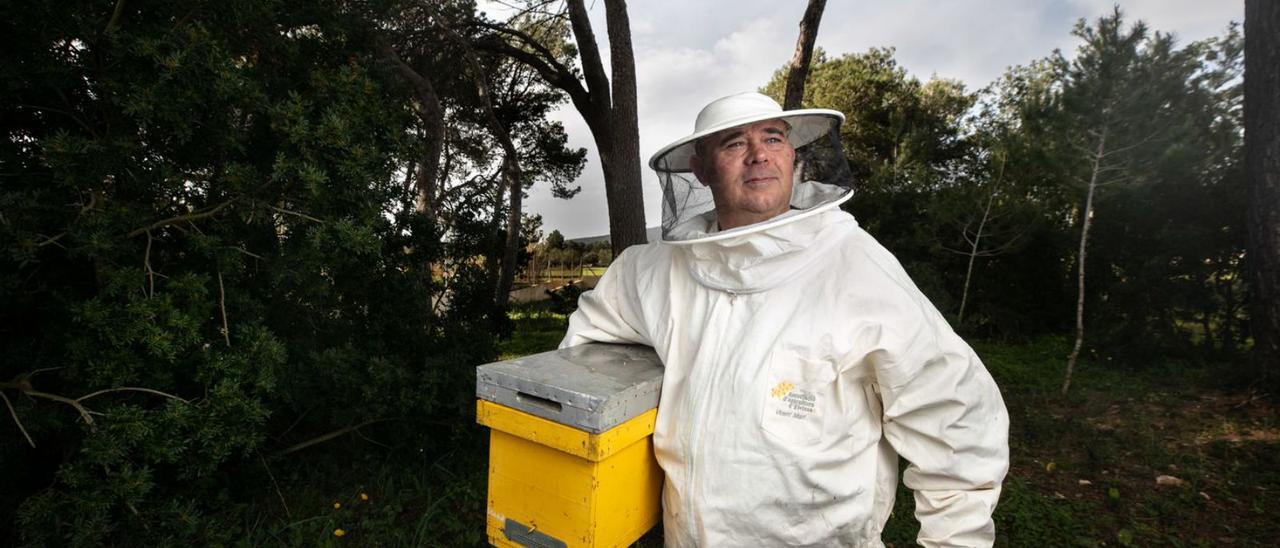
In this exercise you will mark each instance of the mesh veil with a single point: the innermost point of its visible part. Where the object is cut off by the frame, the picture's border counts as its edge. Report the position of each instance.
(821, 177)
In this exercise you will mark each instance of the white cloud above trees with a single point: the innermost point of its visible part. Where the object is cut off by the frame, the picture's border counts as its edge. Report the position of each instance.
(690, 52)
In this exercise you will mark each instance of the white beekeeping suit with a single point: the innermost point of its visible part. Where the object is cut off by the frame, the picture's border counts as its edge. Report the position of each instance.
(801, 361)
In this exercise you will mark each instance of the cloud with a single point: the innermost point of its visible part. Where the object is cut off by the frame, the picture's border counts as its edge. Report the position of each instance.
(673, 83)
(689, 53)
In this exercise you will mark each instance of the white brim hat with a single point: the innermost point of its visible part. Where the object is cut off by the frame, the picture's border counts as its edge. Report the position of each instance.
(738, 110)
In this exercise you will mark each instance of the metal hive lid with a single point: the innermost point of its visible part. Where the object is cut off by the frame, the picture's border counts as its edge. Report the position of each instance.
(592, 387)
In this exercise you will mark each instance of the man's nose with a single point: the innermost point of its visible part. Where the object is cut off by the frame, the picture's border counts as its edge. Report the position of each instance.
(756, 153)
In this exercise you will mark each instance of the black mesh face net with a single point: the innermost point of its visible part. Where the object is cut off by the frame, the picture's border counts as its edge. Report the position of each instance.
(820, 177)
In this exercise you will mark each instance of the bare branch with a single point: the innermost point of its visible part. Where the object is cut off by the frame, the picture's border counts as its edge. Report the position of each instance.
(222, 304)
(84, 413)
(146, 263)
(16, 421)
(67, 114)
(276, 485)
(534, 8)
(541, 60)
(115, 17)
(193, 216)
(51, 240)
(592, 66)
(249, 253)
(371, 440)
(331, 435)
(130, 389)
(294, 213)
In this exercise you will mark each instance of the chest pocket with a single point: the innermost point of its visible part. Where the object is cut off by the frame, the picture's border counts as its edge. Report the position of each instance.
(801, 394)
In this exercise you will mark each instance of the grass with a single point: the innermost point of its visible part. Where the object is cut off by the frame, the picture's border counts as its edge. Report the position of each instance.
(553, 274)
(1086, 466)
(372, 498)
(1083, 468)
(537, 329)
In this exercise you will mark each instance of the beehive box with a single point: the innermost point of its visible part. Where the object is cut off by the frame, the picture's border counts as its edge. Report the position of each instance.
(571, 446)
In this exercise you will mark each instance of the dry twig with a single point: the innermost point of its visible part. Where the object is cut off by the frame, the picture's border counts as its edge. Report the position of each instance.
(16, 421)
(331, 435)
(22, 383)
(287, 513)
(131, 389)
(222, 304)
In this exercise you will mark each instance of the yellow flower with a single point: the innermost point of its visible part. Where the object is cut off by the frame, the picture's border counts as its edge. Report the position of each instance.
(364, 496)
(339, 532)
(337, 505)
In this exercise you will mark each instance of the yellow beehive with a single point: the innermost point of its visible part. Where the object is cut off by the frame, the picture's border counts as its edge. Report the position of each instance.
(571, 447)
(580, 488)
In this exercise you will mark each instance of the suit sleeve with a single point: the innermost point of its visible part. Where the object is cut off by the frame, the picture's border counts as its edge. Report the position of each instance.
(610, 313)
(944, 414)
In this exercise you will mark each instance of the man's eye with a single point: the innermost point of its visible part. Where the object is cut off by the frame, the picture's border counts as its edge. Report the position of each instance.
(734, 145)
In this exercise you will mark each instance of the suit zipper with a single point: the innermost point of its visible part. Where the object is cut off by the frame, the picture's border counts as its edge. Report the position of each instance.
(694, 433)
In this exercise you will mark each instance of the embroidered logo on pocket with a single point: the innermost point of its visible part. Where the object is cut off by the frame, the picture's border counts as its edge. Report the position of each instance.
(798, 391)
(787, 400)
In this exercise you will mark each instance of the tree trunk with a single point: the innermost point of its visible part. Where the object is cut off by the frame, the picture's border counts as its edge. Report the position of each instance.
(1262, 169)
(613, 126)
(512, 177)
(624, 192)
(502, 293)
(432, 115)
(977, 240)
(1086, 218)
(804, 54)
(973, 255)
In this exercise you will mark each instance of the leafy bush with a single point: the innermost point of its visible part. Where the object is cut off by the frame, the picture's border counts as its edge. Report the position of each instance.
(209, 266)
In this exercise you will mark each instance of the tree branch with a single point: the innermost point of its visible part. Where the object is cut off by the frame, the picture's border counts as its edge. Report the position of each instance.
(555, 73)
(130, 389)
(193, 216)
(84, 413)
(277, 486)
(294, 213)
(16, 421)
(22, 383)
(592, 66)
(146, 263)
(331, 435)
(115, 17)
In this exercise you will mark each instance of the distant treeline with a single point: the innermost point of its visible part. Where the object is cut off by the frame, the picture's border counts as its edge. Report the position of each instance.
(983, 194)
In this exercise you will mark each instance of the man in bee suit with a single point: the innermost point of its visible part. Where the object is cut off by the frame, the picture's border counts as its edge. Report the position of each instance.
(800, 359)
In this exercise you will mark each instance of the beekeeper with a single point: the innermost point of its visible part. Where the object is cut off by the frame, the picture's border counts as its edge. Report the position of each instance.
(801, 361)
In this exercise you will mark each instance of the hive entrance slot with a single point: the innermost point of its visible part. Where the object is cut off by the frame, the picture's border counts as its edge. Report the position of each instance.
(539, 401)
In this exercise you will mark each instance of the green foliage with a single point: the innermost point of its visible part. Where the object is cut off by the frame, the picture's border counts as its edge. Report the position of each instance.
(980, 195)
(1168, 225)
(554, 240)
(209, 262)
(538, 328)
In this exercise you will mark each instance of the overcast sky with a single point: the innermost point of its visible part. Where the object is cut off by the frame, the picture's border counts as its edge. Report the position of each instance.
(690, 52)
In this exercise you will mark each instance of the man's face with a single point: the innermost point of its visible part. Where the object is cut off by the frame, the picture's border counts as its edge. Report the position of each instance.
(749, 171)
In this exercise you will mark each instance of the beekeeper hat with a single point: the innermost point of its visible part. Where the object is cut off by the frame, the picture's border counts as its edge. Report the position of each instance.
(741, 109)
(820, 176)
